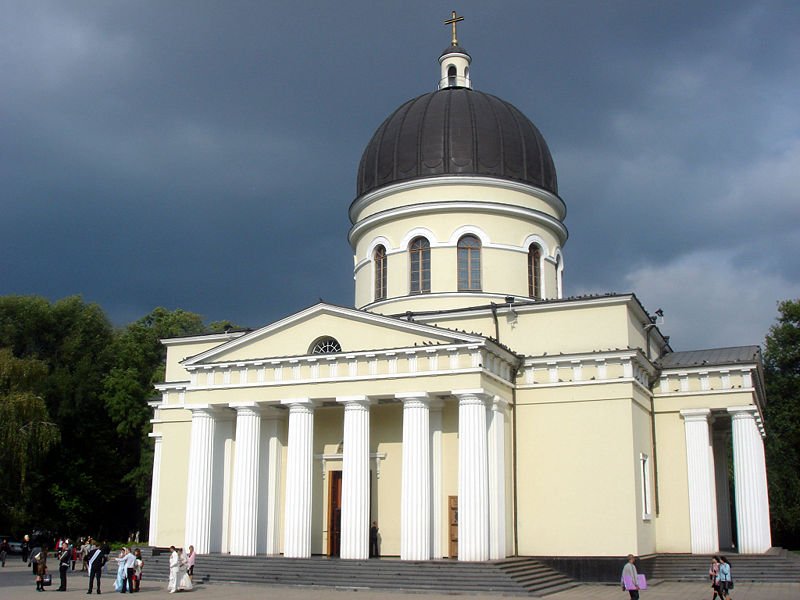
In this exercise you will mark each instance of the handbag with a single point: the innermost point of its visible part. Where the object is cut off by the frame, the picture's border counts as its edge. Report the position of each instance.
(47, 579)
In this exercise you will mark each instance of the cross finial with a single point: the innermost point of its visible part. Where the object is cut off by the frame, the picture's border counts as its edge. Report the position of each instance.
(452, 21)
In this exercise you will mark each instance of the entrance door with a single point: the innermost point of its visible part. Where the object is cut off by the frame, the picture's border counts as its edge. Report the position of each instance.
(334, 512)
(452, 525)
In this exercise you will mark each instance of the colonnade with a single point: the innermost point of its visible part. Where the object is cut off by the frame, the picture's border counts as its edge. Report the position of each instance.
(481, 477)
(708, 482)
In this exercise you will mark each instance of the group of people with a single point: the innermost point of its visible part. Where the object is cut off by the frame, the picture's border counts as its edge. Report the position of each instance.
(129, 570)
(181, 569)
(719, 573)
(721, 580)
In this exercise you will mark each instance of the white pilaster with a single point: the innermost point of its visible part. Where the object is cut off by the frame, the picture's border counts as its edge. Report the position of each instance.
(271, 427)
(155, 489)
(702, 485)
(355, 478)
(244, 512)
(199, 486)
(436, 478)
(750, 482)
(415, 496)
(497, 479)
(297, 524)
(473, 477)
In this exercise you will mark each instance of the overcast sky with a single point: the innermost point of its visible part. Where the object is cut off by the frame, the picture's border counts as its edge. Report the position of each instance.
(202, 155)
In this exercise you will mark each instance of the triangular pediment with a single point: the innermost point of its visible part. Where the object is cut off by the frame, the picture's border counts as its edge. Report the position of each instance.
(355, 330)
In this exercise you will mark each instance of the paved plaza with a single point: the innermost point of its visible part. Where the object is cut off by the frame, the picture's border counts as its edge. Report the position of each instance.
(17, 582)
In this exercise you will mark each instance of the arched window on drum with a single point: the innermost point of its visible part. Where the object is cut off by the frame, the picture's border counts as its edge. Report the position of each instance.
(469, 264)
(379, 262)
(535, 272)
(419, 258)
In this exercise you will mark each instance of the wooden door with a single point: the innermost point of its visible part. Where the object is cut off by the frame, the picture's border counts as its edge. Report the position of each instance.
(334, 512)
(452, 526)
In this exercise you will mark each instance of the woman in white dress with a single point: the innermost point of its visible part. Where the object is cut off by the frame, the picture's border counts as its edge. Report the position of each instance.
(184, 581)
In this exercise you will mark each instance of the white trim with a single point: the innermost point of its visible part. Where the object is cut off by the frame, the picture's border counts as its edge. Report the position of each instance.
(469, 230)
(418, 210)
(414, 234)
(556, 203)
(646, 496)
(378, 241)
(213, 337)
(559, 272)
(539, 241)
(323, 308)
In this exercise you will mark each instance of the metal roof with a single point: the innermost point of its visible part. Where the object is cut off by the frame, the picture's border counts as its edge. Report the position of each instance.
(711, 357)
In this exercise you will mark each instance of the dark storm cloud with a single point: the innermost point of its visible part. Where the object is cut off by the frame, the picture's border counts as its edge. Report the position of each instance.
(203, 154)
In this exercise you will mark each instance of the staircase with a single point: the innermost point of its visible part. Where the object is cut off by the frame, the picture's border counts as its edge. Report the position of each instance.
(777, 565)
(514, 576)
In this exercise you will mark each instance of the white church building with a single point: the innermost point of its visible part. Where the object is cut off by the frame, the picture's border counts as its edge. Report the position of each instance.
(464, 404)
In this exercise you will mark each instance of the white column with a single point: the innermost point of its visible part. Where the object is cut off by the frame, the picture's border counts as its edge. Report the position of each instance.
(155, 489)
(721, 445)
(355, 478)
(299, 463)
(244, 512)
(436, 478)
(750, 482)
(271, 426)
(473, 477)
(198, 496)
(415, 494)
(497, 479)
(702, 485)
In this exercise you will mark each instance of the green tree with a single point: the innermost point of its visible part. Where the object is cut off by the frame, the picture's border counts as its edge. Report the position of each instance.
(26, 432)
(77, 491)
(138, 363)
(782, 422)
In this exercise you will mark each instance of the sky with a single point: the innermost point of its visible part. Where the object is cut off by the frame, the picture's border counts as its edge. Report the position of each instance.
(202, 155)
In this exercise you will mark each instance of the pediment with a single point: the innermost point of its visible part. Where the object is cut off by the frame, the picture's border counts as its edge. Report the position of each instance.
(355, 330)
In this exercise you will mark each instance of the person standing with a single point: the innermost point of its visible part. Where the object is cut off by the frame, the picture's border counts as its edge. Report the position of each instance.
(40, 562)
(4, 550)
(712, 575)
(138, 566)
(629, 570)
(64, 558)
(26, 547)
(724, 578)
(130, 570)
(190, 558)
(373, 540)
(96, 560)
(174, 567)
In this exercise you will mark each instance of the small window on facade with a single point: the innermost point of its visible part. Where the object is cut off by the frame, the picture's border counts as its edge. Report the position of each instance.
(325, 345)
(380, 272)
(644, 462)
(469, 263)
(419, 256)
(451, 76)
(535, 272)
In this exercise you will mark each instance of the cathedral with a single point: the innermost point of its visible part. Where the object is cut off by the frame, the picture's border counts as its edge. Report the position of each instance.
(464, 406)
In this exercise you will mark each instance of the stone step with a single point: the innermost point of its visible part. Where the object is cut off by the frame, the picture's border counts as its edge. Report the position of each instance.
(511, 577)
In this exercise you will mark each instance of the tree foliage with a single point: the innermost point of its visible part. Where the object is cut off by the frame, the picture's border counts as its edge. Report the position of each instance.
(74, 452)
(782, 374)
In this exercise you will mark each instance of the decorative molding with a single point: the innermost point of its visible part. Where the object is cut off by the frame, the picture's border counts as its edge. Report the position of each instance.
(556, 203)
(417, 210)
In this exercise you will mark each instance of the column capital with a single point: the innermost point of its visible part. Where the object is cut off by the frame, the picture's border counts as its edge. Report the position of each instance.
(299, 404)
(499, 404)
(360, 400)
(473, 396)
(743, 412)
(247, 408)
(696, 414)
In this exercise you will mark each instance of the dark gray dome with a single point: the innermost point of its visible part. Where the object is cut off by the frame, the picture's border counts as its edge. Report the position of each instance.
(456, 131)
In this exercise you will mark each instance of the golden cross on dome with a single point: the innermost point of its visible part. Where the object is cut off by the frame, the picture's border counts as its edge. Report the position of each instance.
(452, 21)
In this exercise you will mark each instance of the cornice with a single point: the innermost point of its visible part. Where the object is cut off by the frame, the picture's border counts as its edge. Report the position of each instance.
(459, 205)
(556, 203)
